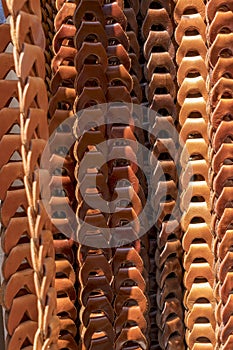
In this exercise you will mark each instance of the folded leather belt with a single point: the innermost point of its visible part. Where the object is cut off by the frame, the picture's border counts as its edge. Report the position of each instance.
(220, 59)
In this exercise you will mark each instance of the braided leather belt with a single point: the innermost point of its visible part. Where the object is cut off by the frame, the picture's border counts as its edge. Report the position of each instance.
(195, 199)
(29, 267)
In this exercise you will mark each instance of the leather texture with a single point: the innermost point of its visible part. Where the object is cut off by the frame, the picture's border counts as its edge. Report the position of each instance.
(66, 288)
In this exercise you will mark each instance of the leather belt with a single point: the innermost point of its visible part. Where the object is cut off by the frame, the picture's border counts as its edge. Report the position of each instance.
(103, 75)
(192, 97)
(160, 72)
(95, 274)
(62, 170)
(29, 267)
(108, 80)
(220, 59)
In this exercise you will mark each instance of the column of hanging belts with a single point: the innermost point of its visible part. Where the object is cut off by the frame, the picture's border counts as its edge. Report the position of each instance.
(62, 167)
(29, 268)
(129, 307)
(192, 97)
(130, 262)
(160, 73)
(15, 237)
(95, 275)
(152, 241)
(220, 39)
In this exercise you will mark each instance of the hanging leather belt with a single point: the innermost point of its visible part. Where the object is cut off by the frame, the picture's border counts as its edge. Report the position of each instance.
(29, 273)
(61, 167)
(103, 76)
(195, 198)
(220, 60)
(160, 72)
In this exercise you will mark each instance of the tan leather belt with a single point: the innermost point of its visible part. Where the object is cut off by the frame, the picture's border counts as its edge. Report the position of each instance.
(192, 97)
(220, 59)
